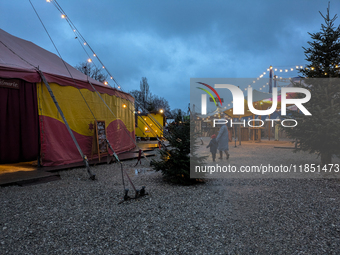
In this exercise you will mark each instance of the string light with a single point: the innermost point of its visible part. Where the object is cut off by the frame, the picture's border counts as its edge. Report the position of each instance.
(89, 60)
(94, 55)
(63, 16)
(84, 43)
(105, 82)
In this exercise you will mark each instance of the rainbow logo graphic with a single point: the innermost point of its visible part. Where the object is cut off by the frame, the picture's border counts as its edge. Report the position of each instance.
(209, 93)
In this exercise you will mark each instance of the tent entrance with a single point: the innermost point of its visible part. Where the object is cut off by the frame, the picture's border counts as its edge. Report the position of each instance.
(19, 122)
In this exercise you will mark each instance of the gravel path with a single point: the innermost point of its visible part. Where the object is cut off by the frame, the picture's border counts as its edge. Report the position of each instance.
(222, 216)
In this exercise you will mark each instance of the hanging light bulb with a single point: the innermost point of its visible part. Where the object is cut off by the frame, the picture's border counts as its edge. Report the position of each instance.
(89, 60)
(297, 67)
(111, 77)
(286, 70)
(94, 55)
(275, 69)
(103, 67)
(301, 67)
(63, 16)
(280, 70)
(105, 82)
(48, 1)
(84, 43)
(291, 69)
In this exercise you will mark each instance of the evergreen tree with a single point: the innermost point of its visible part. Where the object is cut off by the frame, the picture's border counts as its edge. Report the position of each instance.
(320, 133)
(175, 160)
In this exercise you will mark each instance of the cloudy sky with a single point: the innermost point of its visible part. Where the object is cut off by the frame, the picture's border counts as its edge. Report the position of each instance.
(170, 42)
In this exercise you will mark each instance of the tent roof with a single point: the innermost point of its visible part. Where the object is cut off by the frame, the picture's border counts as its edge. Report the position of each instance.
(21, 59)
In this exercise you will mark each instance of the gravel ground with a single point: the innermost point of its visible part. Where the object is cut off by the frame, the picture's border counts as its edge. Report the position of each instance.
(221, 216)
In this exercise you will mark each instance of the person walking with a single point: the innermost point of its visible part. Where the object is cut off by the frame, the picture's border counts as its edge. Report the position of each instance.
(213, 146)
(223, 141)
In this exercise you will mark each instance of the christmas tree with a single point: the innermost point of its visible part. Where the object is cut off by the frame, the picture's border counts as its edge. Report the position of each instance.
(176, 158)
(320, 133)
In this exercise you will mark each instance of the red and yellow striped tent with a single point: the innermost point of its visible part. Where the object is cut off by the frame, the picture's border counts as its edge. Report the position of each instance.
(30, 122)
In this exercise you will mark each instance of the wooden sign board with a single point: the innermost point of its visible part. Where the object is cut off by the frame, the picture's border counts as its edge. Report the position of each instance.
(9, 83)
(99, 144)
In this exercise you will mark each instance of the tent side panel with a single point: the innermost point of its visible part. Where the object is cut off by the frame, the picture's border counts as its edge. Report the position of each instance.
(57, 147)
(19, 126)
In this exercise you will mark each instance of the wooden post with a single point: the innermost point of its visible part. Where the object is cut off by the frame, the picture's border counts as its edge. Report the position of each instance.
(253, 129)
(269, 129)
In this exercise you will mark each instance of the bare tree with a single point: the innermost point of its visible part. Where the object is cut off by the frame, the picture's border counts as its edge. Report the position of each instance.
(92, 71)
(145, 92)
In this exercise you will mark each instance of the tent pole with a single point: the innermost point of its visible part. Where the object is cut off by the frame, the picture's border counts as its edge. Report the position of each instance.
(92, 176)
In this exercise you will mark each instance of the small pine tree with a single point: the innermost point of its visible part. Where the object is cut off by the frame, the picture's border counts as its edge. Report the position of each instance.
(320, 133)
(175, 160)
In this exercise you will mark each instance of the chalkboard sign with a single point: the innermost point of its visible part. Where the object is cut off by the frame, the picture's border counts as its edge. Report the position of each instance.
(99, 144)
